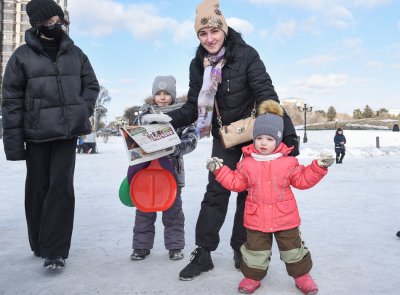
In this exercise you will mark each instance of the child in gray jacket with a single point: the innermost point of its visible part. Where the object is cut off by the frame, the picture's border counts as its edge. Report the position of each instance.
(163, 99)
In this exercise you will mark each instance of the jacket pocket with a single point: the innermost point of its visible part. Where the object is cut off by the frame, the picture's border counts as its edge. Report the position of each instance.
(251, 214)
(31, 117)
(286, 213)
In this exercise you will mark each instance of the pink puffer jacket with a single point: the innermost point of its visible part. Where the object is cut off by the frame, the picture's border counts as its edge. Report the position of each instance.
(270, 205)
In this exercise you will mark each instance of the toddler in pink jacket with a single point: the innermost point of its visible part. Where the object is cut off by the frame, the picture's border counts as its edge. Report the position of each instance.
(267, 172)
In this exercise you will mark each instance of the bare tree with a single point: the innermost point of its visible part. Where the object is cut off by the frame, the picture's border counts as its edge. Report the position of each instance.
(100, 110)
(131, 113)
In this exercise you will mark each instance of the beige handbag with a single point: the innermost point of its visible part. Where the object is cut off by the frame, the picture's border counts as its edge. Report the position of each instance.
(237, 132)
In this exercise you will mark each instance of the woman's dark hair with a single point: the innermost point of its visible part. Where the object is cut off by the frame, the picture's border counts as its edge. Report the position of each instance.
(65, 22)
(231, 40)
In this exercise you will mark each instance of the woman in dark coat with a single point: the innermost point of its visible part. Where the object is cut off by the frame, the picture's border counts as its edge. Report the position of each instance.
(340, 149)
(242, 81)
(49, 93)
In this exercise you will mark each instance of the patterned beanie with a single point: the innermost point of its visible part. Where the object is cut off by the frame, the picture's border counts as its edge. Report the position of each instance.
(208, 15)
(40, 10)
(165, 83)
(270, 121)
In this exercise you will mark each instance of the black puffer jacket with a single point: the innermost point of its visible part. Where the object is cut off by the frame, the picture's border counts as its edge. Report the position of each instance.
(244, 80)
(45, 101)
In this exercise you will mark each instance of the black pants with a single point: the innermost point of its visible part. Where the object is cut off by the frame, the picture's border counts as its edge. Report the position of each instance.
(215, 205)
(339, 156)
(49, 196)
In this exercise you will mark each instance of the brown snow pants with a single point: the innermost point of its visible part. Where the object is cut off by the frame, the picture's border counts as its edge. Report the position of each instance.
(257, 253)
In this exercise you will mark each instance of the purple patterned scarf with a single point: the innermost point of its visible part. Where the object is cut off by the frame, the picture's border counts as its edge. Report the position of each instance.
(211, 78)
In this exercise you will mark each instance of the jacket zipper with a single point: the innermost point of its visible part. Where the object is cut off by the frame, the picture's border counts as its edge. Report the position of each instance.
(60, 91)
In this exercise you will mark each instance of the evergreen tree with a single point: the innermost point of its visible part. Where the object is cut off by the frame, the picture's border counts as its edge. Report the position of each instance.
(331, 114)
(357, 114)
(368, 112)
(382, 112)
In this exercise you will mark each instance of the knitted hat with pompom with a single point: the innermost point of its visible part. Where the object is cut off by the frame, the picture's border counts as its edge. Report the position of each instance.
(269, 121)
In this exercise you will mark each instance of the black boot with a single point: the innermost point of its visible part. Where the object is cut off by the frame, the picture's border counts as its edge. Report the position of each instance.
(398, 234)
(200, 261)
(237, 257)
(56, 262)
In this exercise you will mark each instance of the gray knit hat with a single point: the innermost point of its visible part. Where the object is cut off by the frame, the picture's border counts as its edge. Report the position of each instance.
(41, 10)
(269, 124)
(165, 83)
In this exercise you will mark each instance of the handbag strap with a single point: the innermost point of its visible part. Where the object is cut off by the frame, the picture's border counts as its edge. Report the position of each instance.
(219, 119)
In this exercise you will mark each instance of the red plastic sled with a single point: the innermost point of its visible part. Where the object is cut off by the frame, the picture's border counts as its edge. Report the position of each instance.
(153, 189)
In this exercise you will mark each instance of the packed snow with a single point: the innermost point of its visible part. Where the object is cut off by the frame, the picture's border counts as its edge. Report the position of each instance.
(349, 222)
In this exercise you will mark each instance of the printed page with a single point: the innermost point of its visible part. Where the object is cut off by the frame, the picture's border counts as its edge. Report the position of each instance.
(136, 154)
(154, 137)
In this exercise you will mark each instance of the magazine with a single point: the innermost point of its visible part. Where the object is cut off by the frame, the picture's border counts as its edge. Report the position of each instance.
(148, 142)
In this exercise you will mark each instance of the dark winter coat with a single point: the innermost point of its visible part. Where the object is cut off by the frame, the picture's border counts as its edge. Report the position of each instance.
(45, 101)
(244, 81)
(338, 139)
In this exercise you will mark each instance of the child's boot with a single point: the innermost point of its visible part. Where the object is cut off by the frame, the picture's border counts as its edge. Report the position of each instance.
(175, 254)
(306, 284)
(248, 286)
(140, 254)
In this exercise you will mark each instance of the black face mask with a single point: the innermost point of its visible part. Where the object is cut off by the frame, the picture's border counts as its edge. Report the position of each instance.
(53, 31)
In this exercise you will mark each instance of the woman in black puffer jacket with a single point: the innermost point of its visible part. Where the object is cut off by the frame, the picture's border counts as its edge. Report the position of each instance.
(244, 82)
(49, 93)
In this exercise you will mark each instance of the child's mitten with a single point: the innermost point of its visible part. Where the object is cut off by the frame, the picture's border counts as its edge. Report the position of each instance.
(325, 160)
(214, 163)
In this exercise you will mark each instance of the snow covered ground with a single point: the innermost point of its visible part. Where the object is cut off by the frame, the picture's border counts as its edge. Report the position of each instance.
(349, 222)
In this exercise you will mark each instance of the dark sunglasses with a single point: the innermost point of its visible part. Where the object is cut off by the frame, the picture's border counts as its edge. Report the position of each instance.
(52, 26)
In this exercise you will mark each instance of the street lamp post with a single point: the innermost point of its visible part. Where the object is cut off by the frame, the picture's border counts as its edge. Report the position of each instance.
(305, 109)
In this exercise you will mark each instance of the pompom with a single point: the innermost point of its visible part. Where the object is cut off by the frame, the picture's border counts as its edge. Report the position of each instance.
(271, 107)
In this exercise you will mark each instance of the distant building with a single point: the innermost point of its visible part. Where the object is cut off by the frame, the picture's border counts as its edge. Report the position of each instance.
(13, 23)
(292, 101)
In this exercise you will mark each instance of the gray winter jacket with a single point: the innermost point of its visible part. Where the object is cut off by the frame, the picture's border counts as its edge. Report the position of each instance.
(188, 136)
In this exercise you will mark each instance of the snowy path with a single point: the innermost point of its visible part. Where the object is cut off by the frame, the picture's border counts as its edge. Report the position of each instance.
(349, 224)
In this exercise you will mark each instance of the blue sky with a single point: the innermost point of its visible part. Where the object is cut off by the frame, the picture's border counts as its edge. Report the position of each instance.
(326, 52)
